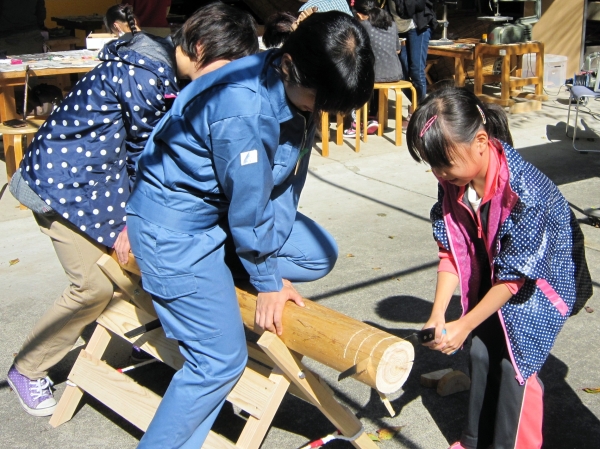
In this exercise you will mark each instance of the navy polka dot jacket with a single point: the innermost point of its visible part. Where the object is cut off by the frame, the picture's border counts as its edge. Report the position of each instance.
(82, 160)
(532, 235)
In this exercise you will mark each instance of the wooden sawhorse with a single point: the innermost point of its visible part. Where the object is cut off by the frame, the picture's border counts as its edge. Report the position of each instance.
(271, 372)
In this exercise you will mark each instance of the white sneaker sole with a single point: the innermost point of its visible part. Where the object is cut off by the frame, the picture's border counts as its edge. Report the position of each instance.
(46, 411)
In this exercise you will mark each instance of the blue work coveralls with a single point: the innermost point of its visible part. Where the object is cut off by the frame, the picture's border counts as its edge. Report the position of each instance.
(227, 163)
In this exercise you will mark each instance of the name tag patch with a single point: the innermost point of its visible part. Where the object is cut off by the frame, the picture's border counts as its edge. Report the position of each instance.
(249, 157)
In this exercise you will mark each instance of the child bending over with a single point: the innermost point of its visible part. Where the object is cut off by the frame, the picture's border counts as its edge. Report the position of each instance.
(508, 238)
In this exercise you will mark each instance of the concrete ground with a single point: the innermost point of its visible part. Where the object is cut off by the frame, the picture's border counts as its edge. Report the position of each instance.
(376, 203)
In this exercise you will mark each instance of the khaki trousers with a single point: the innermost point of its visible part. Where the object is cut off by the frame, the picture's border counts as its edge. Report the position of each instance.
(80, 304)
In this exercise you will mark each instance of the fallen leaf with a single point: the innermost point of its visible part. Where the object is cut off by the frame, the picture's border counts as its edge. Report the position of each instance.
(391, 236)
(388, 433)
(428, 171)
(14, 354)
(349, 255)
(588, 309)
(373, 437)
(591, 390)
(377, 268)
(398, 279)
(13, 262)
(382, 215)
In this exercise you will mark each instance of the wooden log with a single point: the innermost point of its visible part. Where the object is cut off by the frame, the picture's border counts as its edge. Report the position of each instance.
(430, 380)
(336, 340)
(453, 382)
(340, 342)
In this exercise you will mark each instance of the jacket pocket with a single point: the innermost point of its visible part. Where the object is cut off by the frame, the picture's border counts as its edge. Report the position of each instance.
(284, 158)
(169, 287)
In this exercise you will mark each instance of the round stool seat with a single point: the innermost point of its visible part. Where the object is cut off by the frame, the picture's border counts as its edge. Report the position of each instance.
(31, 128)
(394, 85)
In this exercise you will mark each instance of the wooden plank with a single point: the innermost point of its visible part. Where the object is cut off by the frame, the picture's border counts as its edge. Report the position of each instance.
(216, 441)
(292, 389)
(19, 76)
(117, 391)
(529, 96)
(489, 99)
(256, 429)
(72, 395)
(252, 391)
(342, 418)
(121, 317)
(519, 82)
(525, 106)
(131, 287)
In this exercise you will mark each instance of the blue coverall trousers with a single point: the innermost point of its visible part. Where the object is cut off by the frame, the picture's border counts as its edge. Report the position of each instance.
(194, 296)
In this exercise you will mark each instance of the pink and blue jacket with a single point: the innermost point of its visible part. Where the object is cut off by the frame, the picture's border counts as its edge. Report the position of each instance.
(534, 246)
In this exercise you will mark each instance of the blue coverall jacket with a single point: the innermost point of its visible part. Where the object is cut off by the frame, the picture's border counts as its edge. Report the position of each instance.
(231, 153)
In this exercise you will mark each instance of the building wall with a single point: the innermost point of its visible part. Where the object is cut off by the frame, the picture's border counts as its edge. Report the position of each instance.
(560, 29)
(75, 8)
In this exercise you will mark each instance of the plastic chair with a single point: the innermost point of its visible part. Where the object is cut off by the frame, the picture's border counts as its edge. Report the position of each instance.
(578, 94)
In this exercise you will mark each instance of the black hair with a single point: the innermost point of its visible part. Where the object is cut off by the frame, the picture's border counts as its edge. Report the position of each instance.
(458, 117)
(120, 13)
(378, 17)
(331, 53)
(278, 30)
(224, 32)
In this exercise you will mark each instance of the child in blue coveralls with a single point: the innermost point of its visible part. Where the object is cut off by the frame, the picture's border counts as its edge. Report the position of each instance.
(77, 173)
(229, 161)
(509, 239)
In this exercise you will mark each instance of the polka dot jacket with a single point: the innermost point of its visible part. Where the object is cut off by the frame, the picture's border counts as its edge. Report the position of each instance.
(533, 235)
(82, 160)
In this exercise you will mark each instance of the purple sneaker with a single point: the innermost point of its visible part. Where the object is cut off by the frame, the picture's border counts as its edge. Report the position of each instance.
(34, 395)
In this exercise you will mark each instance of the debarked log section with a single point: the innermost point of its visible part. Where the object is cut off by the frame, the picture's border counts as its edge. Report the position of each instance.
(380, 359)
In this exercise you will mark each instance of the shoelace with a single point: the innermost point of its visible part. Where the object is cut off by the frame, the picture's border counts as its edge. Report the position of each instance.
(40, 388)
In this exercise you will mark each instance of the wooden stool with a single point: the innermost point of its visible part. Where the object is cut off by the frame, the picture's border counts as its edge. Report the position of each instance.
(339, 134)
(272, 371)
(13, 143)
(382, 113)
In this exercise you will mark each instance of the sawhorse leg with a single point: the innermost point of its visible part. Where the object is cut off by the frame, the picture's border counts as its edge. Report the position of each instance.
(72, 395)
(317, 393)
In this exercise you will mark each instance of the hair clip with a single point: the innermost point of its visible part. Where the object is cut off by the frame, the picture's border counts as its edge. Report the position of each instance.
(428, 125)
(482, 114)
(303, 15)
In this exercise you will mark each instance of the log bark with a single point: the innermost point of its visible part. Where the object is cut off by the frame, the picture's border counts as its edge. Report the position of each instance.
(383, 361)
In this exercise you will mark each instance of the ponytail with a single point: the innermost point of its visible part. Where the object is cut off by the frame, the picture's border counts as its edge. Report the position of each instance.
(128, 10)
(497, 123)
(378, 17)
